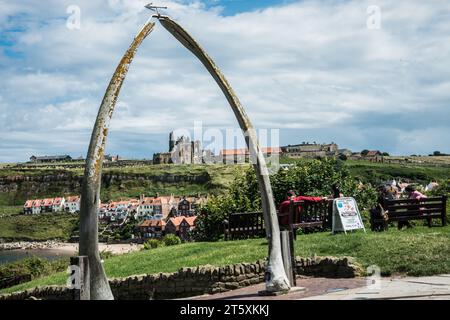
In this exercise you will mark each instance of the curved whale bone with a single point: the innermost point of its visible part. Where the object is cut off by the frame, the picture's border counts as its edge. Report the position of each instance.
(90, 194)
(276, 279)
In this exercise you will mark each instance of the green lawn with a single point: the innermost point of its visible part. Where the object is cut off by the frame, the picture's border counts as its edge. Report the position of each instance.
(37, 228)
(416, 252)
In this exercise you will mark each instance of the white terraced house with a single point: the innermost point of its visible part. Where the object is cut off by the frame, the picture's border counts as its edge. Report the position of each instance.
(145, 208)
(58, 205)
(36, 209)
(72, 204)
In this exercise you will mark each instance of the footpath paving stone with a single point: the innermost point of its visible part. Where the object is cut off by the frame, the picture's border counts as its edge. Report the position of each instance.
(396, 288)
(314, 287)
(400, 288)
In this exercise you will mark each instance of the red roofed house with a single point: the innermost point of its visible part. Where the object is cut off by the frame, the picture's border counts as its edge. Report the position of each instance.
(58, 205)
(173, 225)
(28, 207)
(47, 205)
(152, 228)
(186, 227)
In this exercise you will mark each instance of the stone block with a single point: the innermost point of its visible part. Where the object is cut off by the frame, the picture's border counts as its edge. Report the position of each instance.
(244, 283)
(232, 285)
(180, 289)
(240, 278)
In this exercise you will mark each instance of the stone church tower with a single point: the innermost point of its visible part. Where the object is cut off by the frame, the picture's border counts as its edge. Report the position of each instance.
(171, 141)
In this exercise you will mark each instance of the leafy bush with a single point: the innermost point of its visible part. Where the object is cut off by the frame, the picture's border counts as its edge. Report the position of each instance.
(152, 244)
(171, 240)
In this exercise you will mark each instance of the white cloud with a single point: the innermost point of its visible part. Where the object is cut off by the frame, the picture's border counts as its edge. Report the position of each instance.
(308, 66)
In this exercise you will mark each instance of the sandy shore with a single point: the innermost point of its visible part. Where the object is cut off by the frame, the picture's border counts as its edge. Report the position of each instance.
(113, 248)
(69, 248)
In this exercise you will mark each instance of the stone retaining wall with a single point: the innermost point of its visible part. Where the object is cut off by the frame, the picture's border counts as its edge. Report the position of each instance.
(189, 282)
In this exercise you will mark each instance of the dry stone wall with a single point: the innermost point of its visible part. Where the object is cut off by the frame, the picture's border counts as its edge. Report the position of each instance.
(194, 281)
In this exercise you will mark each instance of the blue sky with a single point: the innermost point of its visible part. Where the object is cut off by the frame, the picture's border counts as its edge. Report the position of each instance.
(315, 70)
(232, 7)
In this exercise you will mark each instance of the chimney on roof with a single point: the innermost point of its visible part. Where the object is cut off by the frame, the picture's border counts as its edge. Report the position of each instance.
(142, 197)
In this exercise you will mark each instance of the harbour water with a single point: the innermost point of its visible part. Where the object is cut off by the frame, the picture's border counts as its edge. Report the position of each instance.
(8, 256)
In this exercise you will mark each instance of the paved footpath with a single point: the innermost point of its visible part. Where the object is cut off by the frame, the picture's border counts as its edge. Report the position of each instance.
(408, 288)
(313, 287)
(397, 288)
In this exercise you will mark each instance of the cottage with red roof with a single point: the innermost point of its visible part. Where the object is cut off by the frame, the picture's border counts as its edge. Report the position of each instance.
(28, 207)
(152, 228)
(47, 205)
(186, 228)
(173, 225)
(58, 205)
(181, 226)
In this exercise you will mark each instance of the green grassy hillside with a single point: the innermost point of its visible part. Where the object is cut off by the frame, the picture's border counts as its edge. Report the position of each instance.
(37, 228)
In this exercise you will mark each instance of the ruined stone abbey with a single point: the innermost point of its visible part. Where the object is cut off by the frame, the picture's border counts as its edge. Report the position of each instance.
(181, 151)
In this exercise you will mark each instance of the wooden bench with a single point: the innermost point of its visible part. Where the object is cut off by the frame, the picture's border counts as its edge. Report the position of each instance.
(312, 216)
(413, 209)
(244, 225)
(309, 216)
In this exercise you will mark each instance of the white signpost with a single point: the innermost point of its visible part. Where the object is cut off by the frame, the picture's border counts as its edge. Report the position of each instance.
(346, 216)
